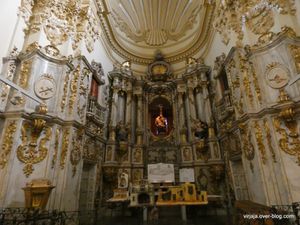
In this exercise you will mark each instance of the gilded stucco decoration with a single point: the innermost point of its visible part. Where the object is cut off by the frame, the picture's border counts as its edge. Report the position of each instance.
(56, 144)
(236, 94)
(64, 147)
(247, 145)
(34, 137)
(83, 93)
(277, 75)
(269, 139)
(73, 89)
(157, 29)
(289, 141)
(255, 15)
(7, 142)
(260, 141)
(61, 21)
(295, 51)
(135, 30)
(250, 79)
(65, 91)
(9, 73)
(25, 73)
(25, 11)
(75, 155)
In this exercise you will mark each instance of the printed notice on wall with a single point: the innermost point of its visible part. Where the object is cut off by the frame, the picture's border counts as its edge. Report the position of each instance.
(186, 175)
(160, 173)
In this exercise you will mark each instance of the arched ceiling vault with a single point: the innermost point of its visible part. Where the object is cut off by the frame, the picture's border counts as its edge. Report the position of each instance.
(136, 29)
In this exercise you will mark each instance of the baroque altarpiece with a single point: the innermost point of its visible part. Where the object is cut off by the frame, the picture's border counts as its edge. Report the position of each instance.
(162, 119)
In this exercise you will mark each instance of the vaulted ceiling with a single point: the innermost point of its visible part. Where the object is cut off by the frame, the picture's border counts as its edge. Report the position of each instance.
(136, 29)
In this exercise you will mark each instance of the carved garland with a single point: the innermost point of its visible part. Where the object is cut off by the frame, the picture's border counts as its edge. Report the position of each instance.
(57, 138)
(65, 91)
(7, 142)
(259, 140)
(25, 73)
(247, 143)
(64, 148)
(268, 135)
(75, 155)
(73, 88)
(30, 151)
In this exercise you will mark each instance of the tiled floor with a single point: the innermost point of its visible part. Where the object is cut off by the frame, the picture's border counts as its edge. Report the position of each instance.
(208, 220)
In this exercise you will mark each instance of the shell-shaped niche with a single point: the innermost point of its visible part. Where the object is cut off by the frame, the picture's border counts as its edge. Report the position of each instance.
(156, 37)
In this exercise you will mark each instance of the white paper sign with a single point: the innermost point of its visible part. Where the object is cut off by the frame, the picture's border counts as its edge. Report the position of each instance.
(187, 175)
(160, 172)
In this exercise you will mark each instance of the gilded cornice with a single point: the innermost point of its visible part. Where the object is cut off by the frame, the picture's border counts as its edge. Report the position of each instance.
(273, 40)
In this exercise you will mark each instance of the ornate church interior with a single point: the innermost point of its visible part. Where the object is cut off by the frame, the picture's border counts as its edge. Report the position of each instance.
(150, 112)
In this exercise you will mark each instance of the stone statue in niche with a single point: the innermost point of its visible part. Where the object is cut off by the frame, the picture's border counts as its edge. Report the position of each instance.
(161, 122)
(137, 157)
(109, 154)
(201, 129)
(122, 132)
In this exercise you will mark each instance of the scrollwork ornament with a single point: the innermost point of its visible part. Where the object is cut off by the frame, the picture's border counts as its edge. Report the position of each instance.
(31, 151)
(288, 142)
(7, 143)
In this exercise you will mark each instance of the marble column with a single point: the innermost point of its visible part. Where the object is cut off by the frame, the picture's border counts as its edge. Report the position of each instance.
(191, 101)
(128, 108)
(139, 131)
(114, 113)
(181, 122)
(139, 112)
(181, 109)
(200, 105)
(121, 106)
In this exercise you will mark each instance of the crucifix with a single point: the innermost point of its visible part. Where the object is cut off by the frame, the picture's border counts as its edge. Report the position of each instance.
(161, 122)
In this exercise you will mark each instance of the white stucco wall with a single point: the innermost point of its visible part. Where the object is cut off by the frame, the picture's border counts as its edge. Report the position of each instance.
(11, 28)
